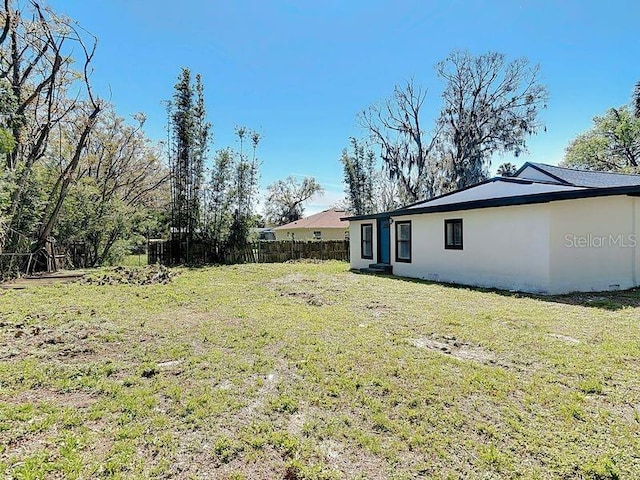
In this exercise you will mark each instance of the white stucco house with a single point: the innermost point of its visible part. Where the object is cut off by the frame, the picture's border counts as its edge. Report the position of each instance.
(546, 230)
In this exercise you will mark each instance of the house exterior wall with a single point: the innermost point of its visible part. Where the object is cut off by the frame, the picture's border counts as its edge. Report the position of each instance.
(355, 243)
(307, 233)
(636, 227)
(594, 244)
(505, 247)
(588, 244)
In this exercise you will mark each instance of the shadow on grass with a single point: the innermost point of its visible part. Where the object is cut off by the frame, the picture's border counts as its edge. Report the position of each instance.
(615, 300)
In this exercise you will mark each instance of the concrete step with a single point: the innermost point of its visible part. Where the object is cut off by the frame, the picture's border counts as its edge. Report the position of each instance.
(378, 268)
(384, 266)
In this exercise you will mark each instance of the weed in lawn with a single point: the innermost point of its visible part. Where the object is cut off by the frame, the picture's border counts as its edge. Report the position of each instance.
(603, 468)
(591, 385)
(226, 449)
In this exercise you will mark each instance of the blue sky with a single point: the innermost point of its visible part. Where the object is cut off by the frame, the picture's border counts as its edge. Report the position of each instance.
(300, 71)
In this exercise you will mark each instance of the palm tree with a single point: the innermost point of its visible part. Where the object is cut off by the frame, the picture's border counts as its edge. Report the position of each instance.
(507, 170)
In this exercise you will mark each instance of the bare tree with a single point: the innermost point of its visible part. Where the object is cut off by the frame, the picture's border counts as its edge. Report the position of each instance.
(38, 51)
(61, 187)
(490, 106)
(385, 193)
(285, 199)
(120, 177)
(406, 149)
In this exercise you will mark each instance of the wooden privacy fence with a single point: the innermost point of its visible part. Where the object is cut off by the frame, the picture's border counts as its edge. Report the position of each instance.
(283, 251)
(264, 251)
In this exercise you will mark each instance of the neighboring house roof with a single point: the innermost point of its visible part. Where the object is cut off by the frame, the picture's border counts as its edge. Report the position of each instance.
(555, 183)
(331, 218)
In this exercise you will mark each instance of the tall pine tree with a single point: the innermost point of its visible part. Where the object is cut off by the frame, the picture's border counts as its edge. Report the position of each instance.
(189, 137)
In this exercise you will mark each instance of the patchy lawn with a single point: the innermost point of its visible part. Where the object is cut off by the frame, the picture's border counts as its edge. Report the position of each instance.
(308, 371)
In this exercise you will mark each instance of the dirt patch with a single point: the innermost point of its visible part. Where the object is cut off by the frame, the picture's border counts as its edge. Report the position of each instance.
(76, 339)
(378, 309)
(629, 411)
(564, 338)
(294, 278)
(307, 260)
(44, 395)
(43, 279)
(170, 364)
(317, 290)
(224, 385)
(299, 286)
(296, 422)
(268, 465)
(452, 346)
(24, 445)
(310, 298)
(147, 275)
(267, 388)
(343, 458)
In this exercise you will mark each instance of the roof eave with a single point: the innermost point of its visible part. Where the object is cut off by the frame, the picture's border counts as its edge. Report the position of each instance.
(523, 200)
(371, 216)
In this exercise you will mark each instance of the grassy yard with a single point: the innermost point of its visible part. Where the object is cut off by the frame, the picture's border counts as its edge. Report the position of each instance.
(308, 371)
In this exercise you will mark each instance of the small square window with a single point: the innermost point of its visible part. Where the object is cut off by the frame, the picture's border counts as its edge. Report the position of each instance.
(317, 235)
(366, 240)
(453, 234)
(403, 241)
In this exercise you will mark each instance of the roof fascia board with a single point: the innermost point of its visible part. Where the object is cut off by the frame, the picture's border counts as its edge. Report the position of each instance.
(522, 200)
(372, 216)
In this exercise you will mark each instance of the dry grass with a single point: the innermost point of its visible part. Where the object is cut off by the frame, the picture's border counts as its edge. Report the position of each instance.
(308, 371)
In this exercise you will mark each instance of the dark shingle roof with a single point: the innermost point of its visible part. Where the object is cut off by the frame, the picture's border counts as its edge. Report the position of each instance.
(585, 178)
(548, 184)
(498, 187)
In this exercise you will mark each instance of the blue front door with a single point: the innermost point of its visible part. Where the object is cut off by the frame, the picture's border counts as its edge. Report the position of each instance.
(384, 241)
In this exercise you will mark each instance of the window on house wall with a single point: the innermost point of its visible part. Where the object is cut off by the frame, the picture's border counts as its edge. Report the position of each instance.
(453, 234)
(317, 235)
(403, 241)
(366, 240)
